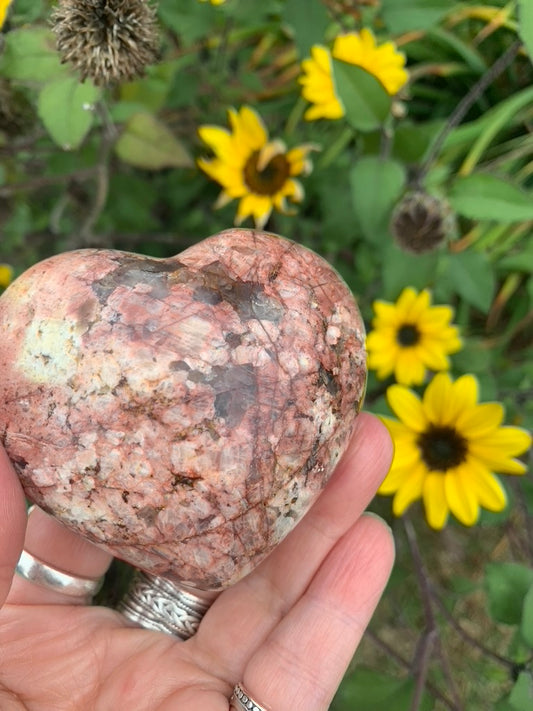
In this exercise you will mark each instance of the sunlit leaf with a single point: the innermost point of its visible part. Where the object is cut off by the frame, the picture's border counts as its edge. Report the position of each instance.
(376, 186)
(521, 696)
(486, 197)
(30, 55)
(66, 108)
(308, 21)
(148, 143)
(472, 276)
(365, 100)
(525, 24)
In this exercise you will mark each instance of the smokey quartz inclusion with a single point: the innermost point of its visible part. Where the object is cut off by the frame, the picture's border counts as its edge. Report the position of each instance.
(181, 413)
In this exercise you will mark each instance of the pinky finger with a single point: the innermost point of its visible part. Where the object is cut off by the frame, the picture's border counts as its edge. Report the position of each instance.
(301, 664)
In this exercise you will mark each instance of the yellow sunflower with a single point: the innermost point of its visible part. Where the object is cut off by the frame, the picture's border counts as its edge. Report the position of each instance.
(214, 2)
(447, 447)
(359, 48)
(4, 7)
(410, 337)
(252, 169)
(6, 275)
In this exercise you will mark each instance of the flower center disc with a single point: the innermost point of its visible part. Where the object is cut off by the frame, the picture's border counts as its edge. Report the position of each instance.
(271, 178)
(408, 335)
(442, 448)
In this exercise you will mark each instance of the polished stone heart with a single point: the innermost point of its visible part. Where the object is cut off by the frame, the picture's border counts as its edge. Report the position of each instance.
(181, 413)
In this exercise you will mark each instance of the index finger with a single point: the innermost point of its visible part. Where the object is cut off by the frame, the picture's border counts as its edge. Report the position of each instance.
(12, 523)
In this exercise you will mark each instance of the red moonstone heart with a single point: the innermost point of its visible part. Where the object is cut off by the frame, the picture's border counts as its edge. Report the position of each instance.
(181, 413)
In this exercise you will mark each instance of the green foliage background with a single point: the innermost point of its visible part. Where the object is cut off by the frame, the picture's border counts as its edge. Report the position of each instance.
(82, 166)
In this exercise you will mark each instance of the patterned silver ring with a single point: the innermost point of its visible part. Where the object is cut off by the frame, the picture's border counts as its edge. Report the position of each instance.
(242, 701)
(157, 604)
(40, 573)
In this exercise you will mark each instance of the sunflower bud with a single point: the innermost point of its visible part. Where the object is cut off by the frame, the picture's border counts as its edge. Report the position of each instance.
(106, 40)
(421, 222)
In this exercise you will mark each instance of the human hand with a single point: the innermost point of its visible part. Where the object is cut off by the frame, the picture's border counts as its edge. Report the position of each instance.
(287, 631)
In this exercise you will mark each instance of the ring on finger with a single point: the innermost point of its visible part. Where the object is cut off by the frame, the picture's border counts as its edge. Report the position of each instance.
(40, 573)
(161, 605)
(242, 701)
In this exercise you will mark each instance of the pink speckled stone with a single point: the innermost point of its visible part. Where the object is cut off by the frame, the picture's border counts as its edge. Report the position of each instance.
(181, 413)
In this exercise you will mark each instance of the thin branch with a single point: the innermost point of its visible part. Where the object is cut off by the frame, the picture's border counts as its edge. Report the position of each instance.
(109, 136)
(466, 103)
(427, 640)
(406, 664)
(47, 181)
(508, 663)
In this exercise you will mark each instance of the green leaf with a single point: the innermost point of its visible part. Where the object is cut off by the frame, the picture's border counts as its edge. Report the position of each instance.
(522, 261)
(66, 108)
(308, 21)
(521, 696)
(502, 116)
(30, 55)
(376, 186)
(472, 276)
(525, 24)
(412, 141)
(147, 143)
(189, 21)
(401, 268)
(372, 691)
(507, 585)
(151, 91)
(404, 15)
(365, 100)
(485, 197)
(526, 625)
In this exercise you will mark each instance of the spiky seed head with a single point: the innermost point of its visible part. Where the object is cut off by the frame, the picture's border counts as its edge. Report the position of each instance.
(108, 41)
(421, 222)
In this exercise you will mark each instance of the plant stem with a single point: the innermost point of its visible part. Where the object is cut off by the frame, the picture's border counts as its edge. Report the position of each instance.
(466, 103)
(508, 663)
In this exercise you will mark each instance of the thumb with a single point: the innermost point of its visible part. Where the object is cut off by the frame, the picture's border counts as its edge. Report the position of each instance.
(12, 523)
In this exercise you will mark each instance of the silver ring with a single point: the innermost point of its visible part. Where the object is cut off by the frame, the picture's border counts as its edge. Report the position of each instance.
(242, 701)
(36, 571)
(157, 604)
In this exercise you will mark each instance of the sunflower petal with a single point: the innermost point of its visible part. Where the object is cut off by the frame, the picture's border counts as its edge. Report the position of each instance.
(435, 503)
(409, 491)
(480, 420)
(437, 400)
(461, 497)
(407, 407)
(409, 370)
(486, 486)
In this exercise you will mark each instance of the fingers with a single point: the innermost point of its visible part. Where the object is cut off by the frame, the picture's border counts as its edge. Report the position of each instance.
(257, 603)
(52, 543)
(301, 664)
(12, 523)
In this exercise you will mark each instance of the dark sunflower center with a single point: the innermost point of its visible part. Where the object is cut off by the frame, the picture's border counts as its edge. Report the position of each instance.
(271, 178)
(408, 335)
(442, 448)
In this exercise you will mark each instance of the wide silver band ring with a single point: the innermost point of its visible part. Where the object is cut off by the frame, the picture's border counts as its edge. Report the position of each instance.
(40, 573)
(242, 701)
(157, 604)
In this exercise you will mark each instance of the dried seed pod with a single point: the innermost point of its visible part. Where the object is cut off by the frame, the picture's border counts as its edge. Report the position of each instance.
(106, 40)
(421, 222)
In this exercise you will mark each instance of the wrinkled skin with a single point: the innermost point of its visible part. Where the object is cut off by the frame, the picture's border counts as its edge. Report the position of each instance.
(287, 631)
